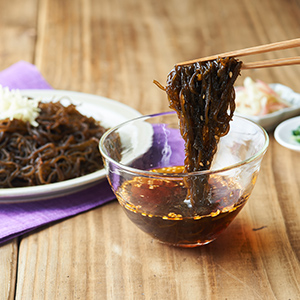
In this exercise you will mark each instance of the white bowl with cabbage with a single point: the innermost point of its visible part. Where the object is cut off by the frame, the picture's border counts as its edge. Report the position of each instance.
(266, 104)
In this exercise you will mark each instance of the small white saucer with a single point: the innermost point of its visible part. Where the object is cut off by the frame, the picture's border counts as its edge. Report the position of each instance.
(284, 136)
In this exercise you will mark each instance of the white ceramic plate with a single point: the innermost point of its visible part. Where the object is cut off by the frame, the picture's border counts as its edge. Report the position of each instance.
(283, 133)
(109, 112)
(270, 121)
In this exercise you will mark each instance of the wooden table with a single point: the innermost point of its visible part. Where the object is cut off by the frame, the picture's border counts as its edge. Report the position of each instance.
(115, 49)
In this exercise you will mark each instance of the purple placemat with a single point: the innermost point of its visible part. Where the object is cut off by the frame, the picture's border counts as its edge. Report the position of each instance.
(17, 219)
(23, 75)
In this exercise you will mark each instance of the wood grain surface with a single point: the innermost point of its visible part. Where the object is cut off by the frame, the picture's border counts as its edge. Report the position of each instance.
(115, 49)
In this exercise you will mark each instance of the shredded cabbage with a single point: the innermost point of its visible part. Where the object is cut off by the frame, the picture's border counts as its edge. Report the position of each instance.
(256, 98)
(15, 106)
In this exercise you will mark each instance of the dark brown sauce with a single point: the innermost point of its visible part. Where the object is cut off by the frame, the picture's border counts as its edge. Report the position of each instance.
(160, 208)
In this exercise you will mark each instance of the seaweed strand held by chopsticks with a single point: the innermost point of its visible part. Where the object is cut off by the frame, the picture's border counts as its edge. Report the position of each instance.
(203, 96)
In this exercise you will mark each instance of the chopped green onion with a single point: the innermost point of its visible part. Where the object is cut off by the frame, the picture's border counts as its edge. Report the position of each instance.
(296, 134)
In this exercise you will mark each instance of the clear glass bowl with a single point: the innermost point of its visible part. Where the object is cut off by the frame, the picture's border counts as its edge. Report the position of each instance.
(144, 158)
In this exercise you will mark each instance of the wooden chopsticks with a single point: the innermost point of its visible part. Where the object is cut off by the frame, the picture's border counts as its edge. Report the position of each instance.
(257, 50)
(272, 63)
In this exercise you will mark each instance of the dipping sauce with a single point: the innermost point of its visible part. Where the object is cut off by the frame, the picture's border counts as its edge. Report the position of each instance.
(173, 220)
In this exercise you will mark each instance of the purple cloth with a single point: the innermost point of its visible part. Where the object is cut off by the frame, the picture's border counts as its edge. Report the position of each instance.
(23, 75)
(19, 218)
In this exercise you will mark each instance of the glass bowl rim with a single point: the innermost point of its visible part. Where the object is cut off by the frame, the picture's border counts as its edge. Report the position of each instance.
(259, 153)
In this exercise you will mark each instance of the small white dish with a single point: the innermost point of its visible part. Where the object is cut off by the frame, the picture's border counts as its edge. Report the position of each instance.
(270, 121)
(284, 136)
